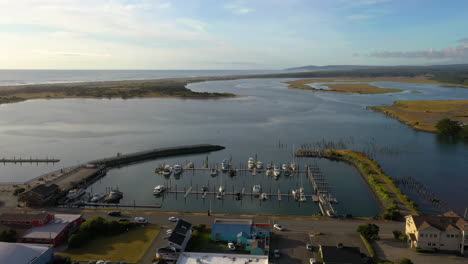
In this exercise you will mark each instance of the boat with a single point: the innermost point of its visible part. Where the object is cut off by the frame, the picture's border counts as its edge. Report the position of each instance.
(219, 196)
(178, 169)
(159, 170)
(214, 172)
(263, 196)
(189, 165)
(167, 170)
(114, 196)
(287, 172)
(294, 194)
(221, 189)
(232, 172)
(268, 166)
(302, 198)
(276, 170)
(204, 189)
(251, 163)
(259, 165)
(159, 189)
(224, 165)
(75, 193)
(97, 197)
(238, 196)
(293, 166)
(268, 172)
(284, 167)
(256, 189)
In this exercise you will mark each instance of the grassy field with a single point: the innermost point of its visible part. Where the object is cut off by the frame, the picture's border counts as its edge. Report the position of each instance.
(382, 185)
(424, 115)
(349, 85)
(201, 242)
(129, 247)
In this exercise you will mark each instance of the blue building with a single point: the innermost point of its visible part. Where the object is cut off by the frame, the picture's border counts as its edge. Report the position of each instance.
(253, 238)
(19, 253)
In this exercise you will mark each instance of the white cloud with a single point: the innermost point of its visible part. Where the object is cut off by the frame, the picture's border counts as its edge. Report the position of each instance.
(238, 8)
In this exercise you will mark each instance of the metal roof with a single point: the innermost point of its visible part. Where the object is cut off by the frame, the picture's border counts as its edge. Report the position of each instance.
(20, 253)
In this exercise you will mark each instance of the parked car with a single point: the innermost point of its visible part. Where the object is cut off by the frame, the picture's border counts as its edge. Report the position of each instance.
(140, 220)
(231, 246)
(308, 246)
(124, 220)
(313, 261)
(92, 262)
(107, 262)
(114, 213)
(173, 219)
(100, 262)
(169, 231)
(278, 227)
(276, 253)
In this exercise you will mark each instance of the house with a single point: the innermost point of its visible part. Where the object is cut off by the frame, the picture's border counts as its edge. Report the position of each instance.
(177, 242)
(19, 253)
(39, 195)
(444, 232)
(254, 237)
(27, 218)
(217, 258)
(341, 255)
(54, 232)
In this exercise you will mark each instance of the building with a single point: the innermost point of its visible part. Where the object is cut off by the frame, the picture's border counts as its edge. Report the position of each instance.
(39, 195)
(255, 238)
(177, 242)
(55, 231)
(341, 255)
(215, 258)
(27, 218)
(19, 253)
(443, 232)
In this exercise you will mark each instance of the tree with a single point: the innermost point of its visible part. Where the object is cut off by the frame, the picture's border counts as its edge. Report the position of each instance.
(448, 127)
(8, 235)
(405, 261)
(464, 132)
(369, 231)
(396, 234)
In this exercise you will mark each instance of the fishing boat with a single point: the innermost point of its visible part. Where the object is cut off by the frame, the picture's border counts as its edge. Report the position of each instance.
(259, 165)
(167, 170)
(96, 197)
(256, 189)
(178, 169)
(75, 193)
(284, 167)
(276, 170)
(159, 189)
(224, 165)
(214, 172)
(114, 196)
(263, 196)
(251, 163)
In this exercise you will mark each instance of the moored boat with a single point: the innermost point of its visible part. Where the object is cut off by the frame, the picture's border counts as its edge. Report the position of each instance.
(263, 196)
(224, 165)
(75, 193)
(276, 170)
(259, 165)
(96, 197)
(167, 170)
(214, 172)
(114, 196)
(256, 189)
(178, 169)
(159, 189)
(251, 163)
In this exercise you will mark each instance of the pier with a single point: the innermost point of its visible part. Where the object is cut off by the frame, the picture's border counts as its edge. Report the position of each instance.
(321, 189)
(30, 160)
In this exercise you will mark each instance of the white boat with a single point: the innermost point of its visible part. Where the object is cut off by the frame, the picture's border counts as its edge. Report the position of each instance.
(159, 189)
(178, 169)
(294, 194)
(284, 167)
(256, 189)
(302, 198)
(276, 170)
(251, 163)
(114, 196)
(96, 197)
(221, 189)
(293, 166)
(75, 193)
(268, 166)
(268, 172)
(167, 170)
(259, 165)
(214, 172)
(263, 196)
(189, 165)
(219, 196)
(224, 165)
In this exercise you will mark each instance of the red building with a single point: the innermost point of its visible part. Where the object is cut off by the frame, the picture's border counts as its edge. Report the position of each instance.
(27, 219)
(55, 232)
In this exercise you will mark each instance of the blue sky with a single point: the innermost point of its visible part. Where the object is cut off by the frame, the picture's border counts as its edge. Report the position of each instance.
(231, 34)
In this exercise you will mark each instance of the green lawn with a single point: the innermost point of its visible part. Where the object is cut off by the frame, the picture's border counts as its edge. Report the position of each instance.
(201, 242)
(129, 247)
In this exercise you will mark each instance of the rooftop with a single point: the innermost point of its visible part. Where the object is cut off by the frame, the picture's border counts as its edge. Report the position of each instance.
(53, 228)
(216, 258)
(233, 221)
(449, 220)
(45, 190)
(20, 253)
(23, 216)
(344, 255)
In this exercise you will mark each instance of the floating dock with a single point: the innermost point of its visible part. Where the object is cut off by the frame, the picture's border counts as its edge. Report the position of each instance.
(322, 190)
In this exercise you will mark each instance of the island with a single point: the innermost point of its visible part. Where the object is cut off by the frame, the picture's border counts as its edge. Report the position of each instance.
(424, 115)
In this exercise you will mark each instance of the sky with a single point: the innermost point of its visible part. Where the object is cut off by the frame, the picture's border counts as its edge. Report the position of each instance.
(230, 34)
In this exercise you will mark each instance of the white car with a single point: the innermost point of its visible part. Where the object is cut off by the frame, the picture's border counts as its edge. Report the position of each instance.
(308, 246)
(278, 227)
(100, 262)
(276, 253)
(312, 261)
(169, 231)
(231, 246)
(173, 219)
(141, 220)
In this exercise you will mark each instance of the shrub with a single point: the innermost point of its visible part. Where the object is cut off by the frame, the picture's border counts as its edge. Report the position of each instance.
(405, 261)
(448, 127)
(8, 235)
(396, 234)
(61, 260)
(369, 231)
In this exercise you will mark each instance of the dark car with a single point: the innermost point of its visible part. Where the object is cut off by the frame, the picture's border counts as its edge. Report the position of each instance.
(114, 213)
(124, 220)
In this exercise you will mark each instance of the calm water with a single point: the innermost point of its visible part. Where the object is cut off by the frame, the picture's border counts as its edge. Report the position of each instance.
(268, 122)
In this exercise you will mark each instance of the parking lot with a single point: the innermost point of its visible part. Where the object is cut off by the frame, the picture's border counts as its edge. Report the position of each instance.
(291, 245)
